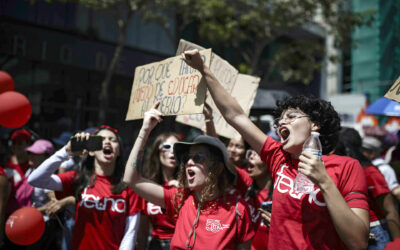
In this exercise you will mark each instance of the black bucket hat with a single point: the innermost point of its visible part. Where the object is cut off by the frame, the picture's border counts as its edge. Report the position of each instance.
(182, 148)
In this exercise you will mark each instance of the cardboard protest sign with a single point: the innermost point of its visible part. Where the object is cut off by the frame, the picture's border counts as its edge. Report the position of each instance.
(240, 86)
(225, 73)
(244, 91)
(178, 87)
(394, 91)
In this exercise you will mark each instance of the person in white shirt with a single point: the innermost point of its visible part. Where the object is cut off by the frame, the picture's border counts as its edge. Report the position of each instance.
(371, 148)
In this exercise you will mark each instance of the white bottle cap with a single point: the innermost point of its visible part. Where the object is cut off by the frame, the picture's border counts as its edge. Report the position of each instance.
(315, 133)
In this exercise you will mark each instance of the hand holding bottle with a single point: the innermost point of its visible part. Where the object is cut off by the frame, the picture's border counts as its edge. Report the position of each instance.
(312, 167)
(312, 149)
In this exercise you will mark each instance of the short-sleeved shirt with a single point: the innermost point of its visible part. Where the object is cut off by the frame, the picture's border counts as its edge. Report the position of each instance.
(377, 186)
(163, 225)
(387, 171)
(100, 215)
(302, 221)
(219, 225)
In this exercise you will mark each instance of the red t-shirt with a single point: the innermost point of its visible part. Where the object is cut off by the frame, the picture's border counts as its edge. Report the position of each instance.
(217, 226)
(302, 221)
(100, 215)
(377, 185)
(243, 181)
(163, 225)
(260, 240)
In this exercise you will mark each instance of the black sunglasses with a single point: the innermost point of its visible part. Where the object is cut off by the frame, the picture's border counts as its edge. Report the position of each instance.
(198, 158)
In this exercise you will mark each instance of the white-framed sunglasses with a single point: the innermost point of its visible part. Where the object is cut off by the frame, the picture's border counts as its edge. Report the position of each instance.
(166, 146)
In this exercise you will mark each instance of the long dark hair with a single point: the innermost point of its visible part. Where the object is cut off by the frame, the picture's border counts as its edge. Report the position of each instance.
(152, 169)
(86, 176)
(349, 144)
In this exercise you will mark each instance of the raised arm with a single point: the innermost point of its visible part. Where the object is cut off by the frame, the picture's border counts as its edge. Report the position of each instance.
(208, 121)
(147, 189)
(227, 105)
(44, 177)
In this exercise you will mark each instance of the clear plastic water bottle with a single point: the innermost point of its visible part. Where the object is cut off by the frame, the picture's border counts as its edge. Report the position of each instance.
(312, 144)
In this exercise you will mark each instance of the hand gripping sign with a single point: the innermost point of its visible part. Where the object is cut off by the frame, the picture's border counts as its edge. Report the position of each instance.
(240, 86)
(179, 88)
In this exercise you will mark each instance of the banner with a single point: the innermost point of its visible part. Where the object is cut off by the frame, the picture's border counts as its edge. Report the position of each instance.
(179, 88)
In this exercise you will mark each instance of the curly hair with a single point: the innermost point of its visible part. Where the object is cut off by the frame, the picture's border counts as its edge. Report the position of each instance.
(152, 169)
(86, 177)
(218, 180)
(320, 112)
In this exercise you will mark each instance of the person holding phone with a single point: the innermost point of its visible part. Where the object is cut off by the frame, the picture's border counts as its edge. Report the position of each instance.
(108, 212)
(161, 168)
(208, 216)
(335, 215)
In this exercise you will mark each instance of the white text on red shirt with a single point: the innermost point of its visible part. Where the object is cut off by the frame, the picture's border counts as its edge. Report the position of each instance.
(284, 184)
(101, 203)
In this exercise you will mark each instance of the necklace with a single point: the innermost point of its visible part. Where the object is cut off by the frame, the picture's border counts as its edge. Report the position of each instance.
(211, 206)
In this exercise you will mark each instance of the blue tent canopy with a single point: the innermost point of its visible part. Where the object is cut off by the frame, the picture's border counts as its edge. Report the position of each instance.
(384, 106)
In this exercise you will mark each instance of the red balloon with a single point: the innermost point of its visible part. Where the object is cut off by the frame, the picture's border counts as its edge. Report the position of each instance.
(6, 82)
(15, 109)
(25, 226)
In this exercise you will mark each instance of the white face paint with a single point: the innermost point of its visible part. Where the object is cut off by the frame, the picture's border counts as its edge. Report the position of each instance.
(167, 158)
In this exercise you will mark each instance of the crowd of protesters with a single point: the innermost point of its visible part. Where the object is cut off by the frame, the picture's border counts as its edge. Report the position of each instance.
(172, 193)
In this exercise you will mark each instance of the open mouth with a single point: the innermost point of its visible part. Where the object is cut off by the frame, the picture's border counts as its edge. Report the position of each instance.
(284, 132)
(107, 151)
(190, 174)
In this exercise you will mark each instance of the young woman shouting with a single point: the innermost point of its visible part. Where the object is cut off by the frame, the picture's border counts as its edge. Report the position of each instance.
(208, 217)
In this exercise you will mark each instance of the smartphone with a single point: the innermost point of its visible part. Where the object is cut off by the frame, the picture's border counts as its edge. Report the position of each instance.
(266, 205)
(94, 143)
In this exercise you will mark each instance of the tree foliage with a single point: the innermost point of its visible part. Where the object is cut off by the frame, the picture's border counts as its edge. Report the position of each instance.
(264, 33)
(251, 26)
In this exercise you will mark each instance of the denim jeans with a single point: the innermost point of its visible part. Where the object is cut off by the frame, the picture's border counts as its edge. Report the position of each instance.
(67, 234)
(382, 235)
